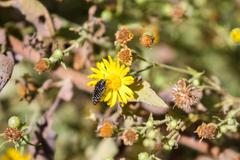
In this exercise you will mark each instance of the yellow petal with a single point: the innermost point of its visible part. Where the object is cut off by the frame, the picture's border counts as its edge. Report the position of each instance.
(101, 67)
(124, 92)
(110, 59)
(95, 70)
(128, 80)
(118, 65)
(123, 97)
(114, 99)
(127, 90)
(106, 63)
(95, 76)
(92, 83)
(108, 96)
(125, 71)
(122, 67)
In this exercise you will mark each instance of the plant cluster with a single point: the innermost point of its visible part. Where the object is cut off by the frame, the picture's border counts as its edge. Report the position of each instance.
(108, 88)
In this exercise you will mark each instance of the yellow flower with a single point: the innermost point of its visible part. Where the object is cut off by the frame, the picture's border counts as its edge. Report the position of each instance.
(13, 154)
(235, 35)
(117, 81)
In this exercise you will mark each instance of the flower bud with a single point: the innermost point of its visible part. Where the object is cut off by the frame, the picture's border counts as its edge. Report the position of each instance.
(143, 156)
(232, 128)
(223, 129)
(171, 142)
(106, 15)
(146, 40)
(149, 124)
(106, 130)
(56, 56)
(151, 134)
(14, 122)
(167, 147)
(43, 65)
(173, 124)
(230, 121)
(149, 143)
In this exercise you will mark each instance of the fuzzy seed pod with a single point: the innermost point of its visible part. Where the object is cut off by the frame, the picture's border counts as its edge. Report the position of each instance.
(129, 136)
(42, 65)
(12, 134)
(123, 35)
(185, 95)
(106, 130)
(146, 40)
(207, 131)
(125, 56)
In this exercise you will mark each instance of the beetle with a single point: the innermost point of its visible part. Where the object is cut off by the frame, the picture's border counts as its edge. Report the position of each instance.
(98, 91)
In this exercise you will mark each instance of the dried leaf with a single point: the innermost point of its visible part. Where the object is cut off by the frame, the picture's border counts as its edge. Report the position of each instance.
(23, 52)
(148, 96)
(6, 68)
(66, 92)
(35, 13)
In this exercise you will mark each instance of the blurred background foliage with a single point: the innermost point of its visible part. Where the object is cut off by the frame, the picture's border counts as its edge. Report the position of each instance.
(199, 38)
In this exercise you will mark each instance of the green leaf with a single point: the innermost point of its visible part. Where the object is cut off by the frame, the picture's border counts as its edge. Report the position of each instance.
(147, 95)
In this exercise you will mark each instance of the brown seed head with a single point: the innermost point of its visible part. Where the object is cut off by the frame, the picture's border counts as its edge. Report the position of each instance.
(207, 131)
(42, 65)
(129, 136)
(185, 95)
(125, 56)
(123, 35)
(146, 40)
(106, 130)
(12, 134)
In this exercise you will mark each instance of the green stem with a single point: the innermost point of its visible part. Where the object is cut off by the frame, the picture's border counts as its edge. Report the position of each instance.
(142, 70)
(79, 40)
(225, 120)
(161, 65)
(154, 157)
(160, 122)
(2, 144)
(173, 132)
(29, 143)
(173, 68)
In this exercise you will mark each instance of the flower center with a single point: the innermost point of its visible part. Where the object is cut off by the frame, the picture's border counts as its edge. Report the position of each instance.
(114, 82)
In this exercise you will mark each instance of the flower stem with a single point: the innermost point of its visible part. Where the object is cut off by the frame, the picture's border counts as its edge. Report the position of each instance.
(2, 144)
(161, 65)
(142, 70)
(160, 122)
(74, 45)
(165, 66)
(29, 143)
